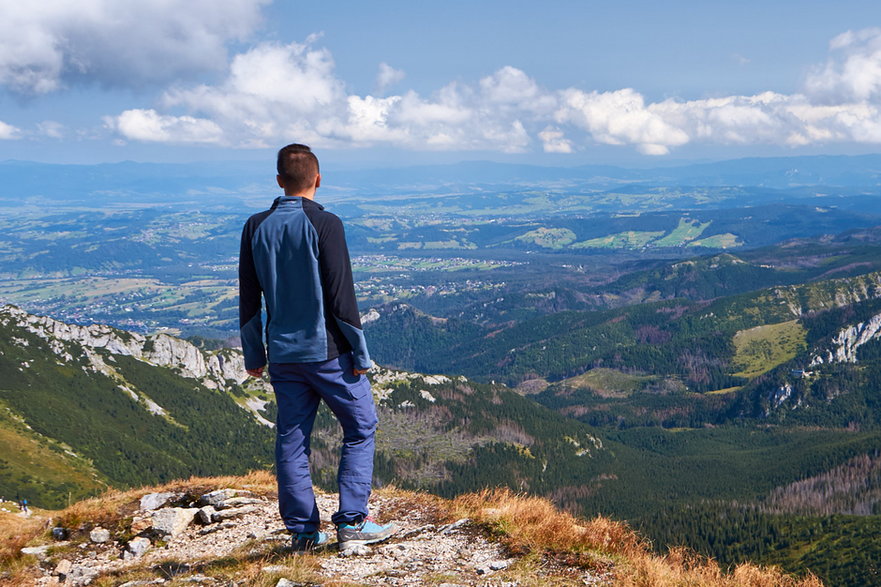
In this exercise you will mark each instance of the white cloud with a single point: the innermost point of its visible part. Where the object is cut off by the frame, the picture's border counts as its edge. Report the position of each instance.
(150, 126)
(51, 129)
(555, 141)
(620, 118)
(387, 76)
(853, 72)
(280, 93)
(7, 131)
(48, 44)
(272, 91)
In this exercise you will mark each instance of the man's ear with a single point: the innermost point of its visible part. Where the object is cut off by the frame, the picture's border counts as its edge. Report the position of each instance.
(318, 181)
(280, 181)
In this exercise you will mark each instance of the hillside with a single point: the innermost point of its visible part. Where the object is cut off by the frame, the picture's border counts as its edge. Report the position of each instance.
(152, 535)
(124, 409)
(121, 409)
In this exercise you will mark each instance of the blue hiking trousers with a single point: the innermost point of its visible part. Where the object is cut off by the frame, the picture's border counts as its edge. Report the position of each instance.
(299, 388)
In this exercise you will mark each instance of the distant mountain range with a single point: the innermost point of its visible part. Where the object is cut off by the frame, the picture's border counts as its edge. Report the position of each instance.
(22, 179)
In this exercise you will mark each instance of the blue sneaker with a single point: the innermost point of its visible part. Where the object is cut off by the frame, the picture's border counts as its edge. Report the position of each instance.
(351, 536)
(306, 541)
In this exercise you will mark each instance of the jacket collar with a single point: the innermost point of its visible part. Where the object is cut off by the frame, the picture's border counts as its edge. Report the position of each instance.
(296, 201)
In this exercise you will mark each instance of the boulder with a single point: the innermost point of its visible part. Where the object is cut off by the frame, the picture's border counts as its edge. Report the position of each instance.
(138, 546)
(205, 514)
(154, 501)
(62, 569)
(99, 535)
(140, 524)
(173, 521)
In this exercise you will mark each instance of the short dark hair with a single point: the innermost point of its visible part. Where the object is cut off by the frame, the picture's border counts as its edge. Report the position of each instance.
(297, 166)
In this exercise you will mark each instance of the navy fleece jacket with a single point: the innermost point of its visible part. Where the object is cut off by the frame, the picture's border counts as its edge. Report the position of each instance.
(295, 255)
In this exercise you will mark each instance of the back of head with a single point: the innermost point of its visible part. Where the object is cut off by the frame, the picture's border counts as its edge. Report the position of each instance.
(297, 167)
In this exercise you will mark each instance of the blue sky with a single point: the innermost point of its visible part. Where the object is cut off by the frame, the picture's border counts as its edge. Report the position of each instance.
(563, 82)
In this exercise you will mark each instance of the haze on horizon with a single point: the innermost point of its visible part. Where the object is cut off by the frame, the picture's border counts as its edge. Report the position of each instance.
(564, 83)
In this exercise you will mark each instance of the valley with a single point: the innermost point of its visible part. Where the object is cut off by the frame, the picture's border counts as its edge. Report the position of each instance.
(692, 350)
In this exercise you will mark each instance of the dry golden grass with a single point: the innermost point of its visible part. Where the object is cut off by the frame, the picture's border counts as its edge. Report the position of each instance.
(534, 525)
(15, 533)
(682, 567)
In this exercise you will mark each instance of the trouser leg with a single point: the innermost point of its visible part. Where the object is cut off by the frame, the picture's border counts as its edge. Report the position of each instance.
(350, 398)
(297, 405)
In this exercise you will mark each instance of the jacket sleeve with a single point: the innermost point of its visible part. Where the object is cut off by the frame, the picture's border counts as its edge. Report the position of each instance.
(250, 322)
(339, 287)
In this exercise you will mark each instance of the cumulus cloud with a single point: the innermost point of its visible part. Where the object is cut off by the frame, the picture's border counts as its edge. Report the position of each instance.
(7, 131)
(620, 118)
(275, 93)
(853, 71)
(387, 76)
(555, 141)
(48, 44)
(150, 126)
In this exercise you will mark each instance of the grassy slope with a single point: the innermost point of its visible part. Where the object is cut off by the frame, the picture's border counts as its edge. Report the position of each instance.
(761, 348)
(32, 464)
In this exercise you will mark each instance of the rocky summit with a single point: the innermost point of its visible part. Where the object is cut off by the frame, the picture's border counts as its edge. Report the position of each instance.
(172, 544)
(226, 531)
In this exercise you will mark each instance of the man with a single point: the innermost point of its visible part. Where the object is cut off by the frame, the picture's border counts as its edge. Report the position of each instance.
(295, 255)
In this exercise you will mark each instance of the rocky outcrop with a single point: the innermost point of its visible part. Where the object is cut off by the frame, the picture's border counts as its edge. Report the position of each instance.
(846, 343)
(215, 370)
(423, 549)
(835, 293)
(172, 521)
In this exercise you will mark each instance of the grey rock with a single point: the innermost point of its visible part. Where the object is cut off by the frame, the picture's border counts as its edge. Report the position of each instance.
(499, 565)
(355, 550)
(215, 528)
(237, 502)
(208, 530)
(455, 525)
(81, 575)
(37, 551)
(205, 513)
(221, 495)
(233, 513)
(173, 521)
(99, 535)
(198, 579)
(415, 531)
(62, 569)
(138, 546)
(286, 583)
(154, 501)
(143, 582)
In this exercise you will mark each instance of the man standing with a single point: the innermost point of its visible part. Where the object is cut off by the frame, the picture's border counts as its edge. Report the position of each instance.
(295, 255)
